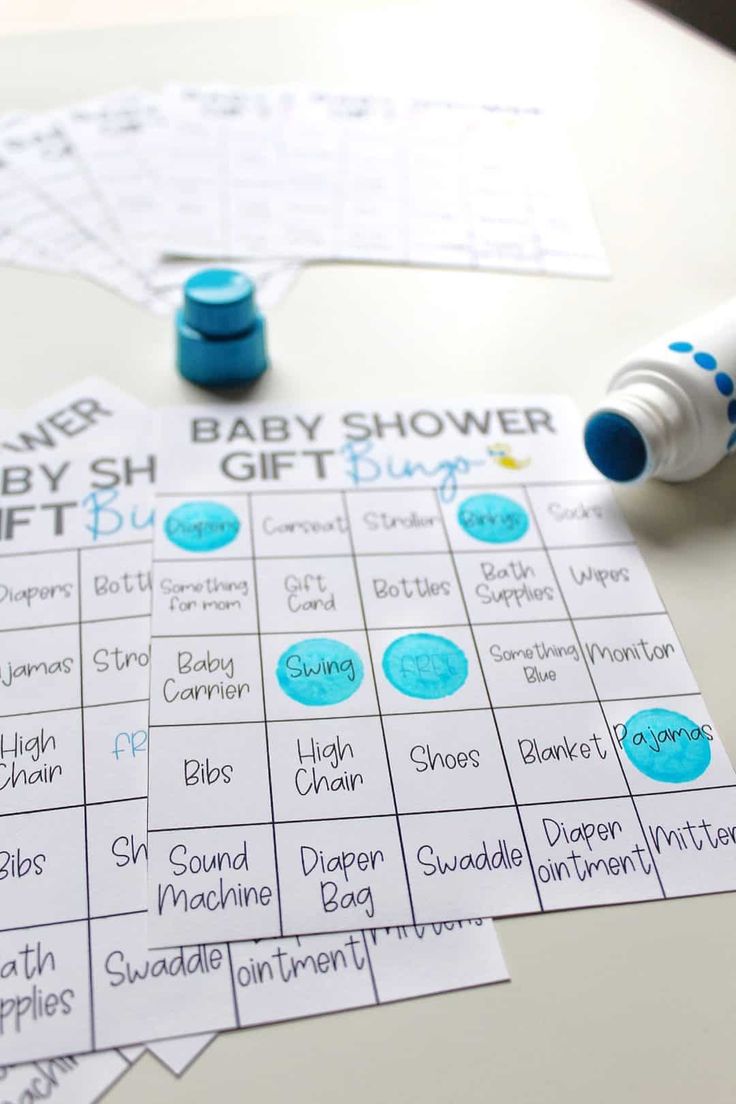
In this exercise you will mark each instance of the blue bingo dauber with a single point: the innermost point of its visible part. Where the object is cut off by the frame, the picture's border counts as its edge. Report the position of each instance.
(670, 411)
(220, 334)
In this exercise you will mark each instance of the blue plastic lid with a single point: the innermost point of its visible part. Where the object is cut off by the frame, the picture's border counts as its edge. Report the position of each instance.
(217, 361)
(615, 446)
(220, 302)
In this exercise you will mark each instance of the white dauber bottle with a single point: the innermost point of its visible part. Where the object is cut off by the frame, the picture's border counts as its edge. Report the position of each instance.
(670, 410)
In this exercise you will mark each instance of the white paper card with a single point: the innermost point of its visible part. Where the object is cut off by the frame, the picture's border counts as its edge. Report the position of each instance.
(408, 665)
(41, 153)
(121, 140)
(178, 1054)
(315, 174)
(80, 1079)
(76, 973)
(68, 421)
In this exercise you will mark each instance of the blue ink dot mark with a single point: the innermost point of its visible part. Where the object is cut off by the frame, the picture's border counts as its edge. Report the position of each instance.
(705, 360)
(493, 519)
(731, 441)
(724, 383)
(732, 411)
(201, 526)
(665, 745)
(680, 347)
(422, 665)
(319, 671)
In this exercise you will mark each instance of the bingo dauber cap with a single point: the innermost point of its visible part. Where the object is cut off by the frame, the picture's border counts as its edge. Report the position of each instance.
(220, 302)
(221, 339)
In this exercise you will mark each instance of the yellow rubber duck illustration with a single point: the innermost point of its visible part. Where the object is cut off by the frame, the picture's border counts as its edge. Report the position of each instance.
(502, 455)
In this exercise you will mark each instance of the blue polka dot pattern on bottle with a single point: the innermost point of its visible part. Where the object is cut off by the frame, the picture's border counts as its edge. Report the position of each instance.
(724, 383)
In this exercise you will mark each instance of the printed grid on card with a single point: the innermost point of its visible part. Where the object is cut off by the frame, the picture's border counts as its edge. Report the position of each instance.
(129, 188)
(377, 704)
(68, 420)
(76, 973)
(315, 174)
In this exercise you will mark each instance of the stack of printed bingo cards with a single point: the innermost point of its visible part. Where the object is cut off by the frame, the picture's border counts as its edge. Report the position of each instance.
(135, 189)
(291, 709)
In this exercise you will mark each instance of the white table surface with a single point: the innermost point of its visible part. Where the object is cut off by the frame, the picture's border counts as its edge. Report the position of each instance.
(634, 1003)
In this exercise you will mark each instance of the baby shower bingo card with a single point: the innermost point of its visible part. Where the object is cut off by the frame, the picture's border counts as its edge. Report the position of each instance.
(408, 665)
(76, 973)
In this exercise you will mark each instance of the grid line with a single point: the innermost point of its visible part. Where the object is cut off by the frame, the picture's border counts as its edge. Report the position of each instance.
(481, 668)
(265, 722)
(90, 974)
(380, 718)
(600, 705)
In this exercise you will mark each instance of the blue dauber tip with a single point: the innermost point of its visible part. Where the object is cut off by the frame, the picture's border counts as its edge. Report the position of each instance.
(615, 446)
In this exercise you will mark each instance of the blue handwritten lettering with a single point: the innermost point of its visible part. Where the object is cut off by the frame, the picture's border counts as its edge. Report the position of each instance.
(363, 467)
(130, 743)
(105, 520)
